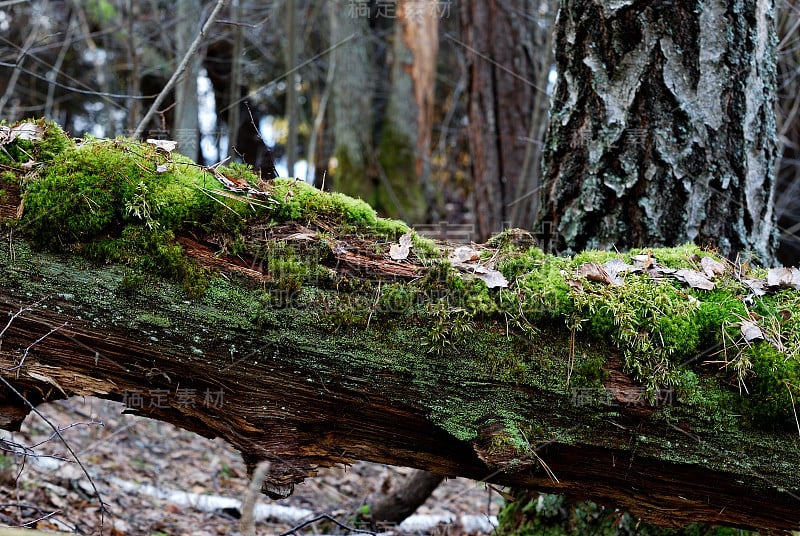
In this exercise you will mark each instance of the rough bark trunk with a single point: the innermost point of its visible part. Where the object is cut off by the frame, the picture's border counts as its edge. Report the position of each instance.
(282, 324)
(662, 126)
(503, 76)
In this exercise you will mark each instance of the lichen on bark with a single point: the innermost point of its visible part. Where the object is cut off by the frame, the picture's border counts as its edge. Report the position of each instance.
(662, 126)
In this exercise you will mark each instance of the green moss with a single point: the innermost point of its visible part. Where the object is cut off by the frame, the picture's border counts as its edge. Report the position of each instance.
(154, 320)
(542, 514)
(774, 390)
(685, 256)
(299, 201)
(53, 142)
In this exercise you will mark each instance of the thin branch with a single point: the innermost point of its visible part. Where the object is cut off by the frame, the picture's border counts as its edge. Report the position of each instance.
(248, 523)
(34, 343)
(180, 70)
(12, 81)
(327, 517)
(66, 445)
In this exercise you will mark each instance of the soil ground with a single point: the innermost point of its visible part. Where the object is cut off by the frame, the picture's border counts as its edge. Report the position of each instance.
(125, 454)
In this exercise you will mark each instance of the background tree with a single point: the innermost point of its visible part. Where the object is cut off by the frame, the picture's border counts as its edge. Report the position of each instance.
(662, 126)
(508, 51)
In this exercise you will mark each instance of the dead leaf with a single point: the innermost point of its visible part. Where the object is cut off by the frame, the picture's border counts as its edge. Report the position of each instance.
(464, 254)
(615, 267)
(398, 252)
(694, 279)
(784, 277)
(574, 283)
(28, 131)
(166, 146)
(643, 261)
(712, 267)
(756, 286)
(22, 131)
(493, 278)
(750, 331)
(595, 272)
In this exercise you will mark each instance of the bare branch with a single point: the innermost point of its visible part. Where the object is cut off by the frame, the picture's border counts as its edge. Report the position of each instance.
(179, 71)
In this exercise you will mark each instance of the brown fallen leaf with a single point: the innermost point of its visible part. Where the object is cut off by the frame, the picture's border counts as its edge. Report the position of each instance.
(694, 279)
(751, 331)
(712, 267)
(595, 272)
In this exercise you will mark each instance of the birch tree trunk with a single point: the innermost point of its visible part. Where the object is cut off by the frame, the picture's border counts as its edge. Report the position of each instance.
(662, 127)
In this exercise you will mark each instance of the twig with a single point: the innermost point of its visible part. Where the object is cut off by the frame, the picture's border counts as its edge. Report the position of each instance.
(320, 517)
(12, 81)
(179, 71)
(34, 343)
(794, 409)
(66, 445)
(248, 522)
(56, 430)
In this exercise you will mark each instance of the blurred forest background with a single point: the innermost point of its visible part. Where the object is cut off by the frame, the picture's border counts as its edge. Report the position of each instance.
(432, 111)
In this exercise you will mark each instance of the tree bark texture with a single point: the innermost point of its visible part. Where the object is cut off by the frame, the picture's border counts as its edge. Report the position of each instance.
(504, 79)
(662, 126)
(405, 147)
(305, 394)
(351, 98)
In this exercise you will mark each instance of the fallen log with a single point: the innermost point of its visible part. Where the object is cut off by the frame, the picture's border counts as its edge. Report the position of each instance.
(304, 330)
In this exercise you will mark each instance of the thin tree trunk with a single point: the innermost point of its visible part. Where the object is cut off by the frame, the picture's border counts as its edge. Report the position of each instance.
(662, 126)
(291, 84)
(351, 99)
(497, 38)
(404, 499)
(187, 115)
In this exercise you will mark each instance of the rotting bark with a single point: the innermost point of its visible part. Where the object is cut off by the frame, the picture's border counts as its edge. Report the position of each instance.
(306, 397)
(662, 126)
(310, 346)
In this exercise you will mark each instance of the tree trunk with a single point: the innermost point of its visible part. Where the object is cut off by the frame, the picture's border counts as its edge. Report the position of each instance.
(351, 97)
(405, 136)
(662, 126)
(403, 500)
(503, 78)
(187, 114)
(285, 323)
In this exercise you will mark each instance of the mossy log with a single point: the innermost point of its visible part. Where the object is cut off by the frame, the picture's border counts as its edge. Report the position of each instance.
(304, 330)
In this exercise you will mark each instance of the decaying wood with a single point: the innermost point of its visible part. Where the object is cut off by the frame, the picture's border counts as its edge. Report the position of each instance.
(303, 395)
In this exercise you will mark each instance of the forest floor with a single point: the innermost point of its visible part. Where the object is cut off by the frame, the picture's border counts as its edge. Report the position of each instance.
(158, 480)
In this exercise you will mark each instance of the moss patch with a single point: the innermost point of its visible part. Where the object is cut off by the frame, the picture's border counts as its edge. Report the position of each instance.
(124, 202)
